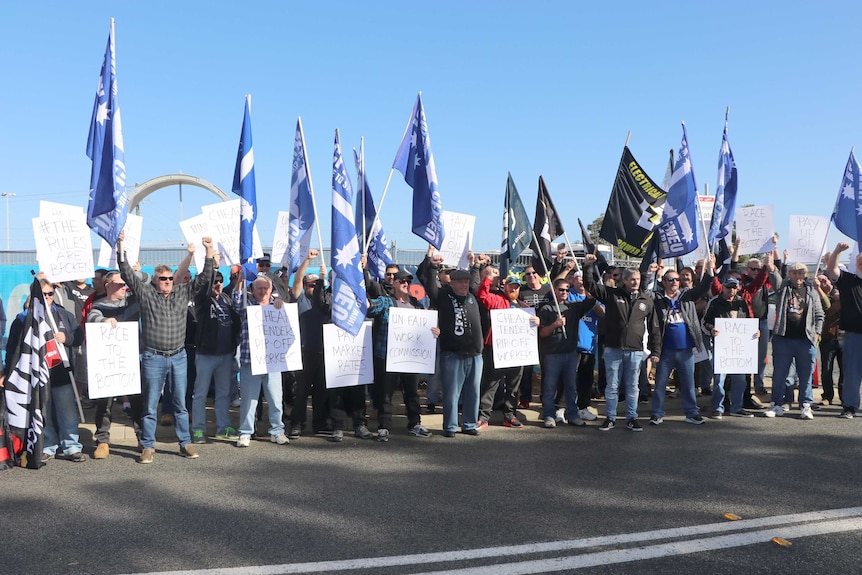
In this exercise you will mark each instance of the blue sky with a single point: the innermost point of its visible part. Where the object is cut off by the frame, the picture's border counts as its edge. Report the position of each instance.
(532, 88)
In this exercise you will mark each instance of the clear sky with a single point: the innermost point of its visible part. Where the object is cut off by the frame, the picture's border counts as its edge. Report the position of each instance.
(535, 88)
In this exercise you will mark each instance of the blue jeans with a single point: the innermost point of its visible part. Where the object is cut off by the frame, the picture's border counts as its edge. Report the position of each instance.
(217, 368)
(683, 361)
(784, 351)
(432, 391)
(852, 368)
(251, 384)
(61, 405)
(461, 376)
(560, 367)
(737, 392)
(762, 345)
(154, 371)
(625, 366)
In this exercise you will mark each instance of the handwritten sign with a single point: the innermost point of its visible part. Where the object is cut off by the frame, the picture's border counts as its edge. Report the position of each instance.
(222, 221)
(807, 236)
(705, 207)
(113, 365)
(755, 225)
(348, 360)
(63, 247)
(193, 230)
(736, 345)
(273, 338)
(458, 240)
(516, 339)
(411, 347)
(54, 210)
(281, 238)
(131, 243)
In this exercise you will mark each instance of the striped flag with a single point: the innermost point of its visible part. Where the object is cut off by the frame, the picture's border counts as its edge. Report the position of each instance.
(724, 211)
(349, 304)
(243, 186)
(301, 220)
(378, 252)
(678, 229)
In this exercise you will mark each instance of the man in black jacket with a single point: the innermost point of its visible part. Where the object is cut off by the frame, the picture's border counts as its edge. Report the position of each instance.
(629, 316)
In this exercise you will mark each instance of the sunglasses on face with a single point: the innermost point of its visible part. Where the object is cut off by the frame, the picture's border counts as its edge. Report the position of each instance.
(531, 273)
(166, 278)
(403, 281)
(218, 281)
(48, 293)
(671, 279)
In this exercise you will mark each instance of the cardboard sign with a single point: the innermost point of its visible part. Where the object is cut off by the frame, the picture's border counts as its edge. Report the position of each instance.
(411, 347)
(113, 363)
(736, 345)
(807, 238)
(458, 240)
(281, 238)
(516, 338)
(131, 244)
(348, 360)
(273, 338)
(755, 225)
(222, 221)
(63, 247)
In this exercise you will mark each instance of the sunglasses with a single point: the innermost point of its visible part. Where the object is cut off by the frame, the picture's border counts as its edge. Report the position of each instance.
(392, 275)
(531, 273)
(48, 293)
(562, 289)
(403, 281)
(671, 279)
(166, 278)
(218, 281)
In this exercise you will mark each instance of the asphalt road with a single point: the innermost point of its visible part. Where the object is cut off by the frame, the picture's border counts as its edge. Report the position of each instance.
(499, 503)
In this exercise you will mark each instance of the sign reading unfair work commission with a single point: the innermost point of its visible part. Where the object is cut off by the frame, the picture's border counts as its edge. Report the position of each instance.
(634, 208)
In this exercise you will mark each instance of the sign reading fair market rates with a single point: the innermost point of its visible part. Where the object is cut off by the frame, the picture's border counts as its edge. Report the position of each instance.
(411, 347)
(113, 366)
(348, 360)
(516, 338)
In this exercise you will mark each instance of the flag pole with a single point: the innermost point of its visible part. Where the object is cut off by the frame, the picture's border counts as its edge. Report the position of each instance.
(362, 191)
(548, 275)
(628, 137)
(311, 189)
(829, 225)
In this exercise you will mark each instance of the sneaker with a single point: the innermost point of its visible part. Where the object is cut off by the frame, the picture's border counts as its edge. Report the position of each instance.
(633, 425)
(228, 433)
(146, 455)
(607, 425)
(383, 435)
(448, 433)
(102, 451)
(244, 440)
(774, 410)
(695, 420)
(78, 457)
(295, 432)
(474, 431)
(524, 404)
(337, 436)
(655, 420)
(513, 422)
(46, 457)
(236, 402)
(198, 436)
(806, 412)
(362, 432)
(189, 452)
(550, 423)
(418, 430)
(560, 416)
(279, 439)
(481, 424)
(741, 413)
(717, 414)
(431, 409)
(578, 422)
(587, 415)
(848, 413)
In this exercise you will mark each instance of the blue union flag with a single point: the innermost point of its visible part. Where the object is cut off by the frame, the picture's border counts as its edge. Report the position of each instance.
(243, 186)
(301, 218)
(848, 207)
(678, 229)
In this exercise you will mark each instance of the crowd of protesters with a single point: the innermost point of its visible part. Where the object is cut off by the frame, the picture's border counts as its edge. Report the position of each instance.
(622, 334)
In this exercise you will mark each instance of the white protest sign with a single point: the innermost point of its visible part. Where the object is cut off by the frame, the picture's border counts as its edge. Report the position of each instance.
(63, 247)
(411, 347)
(756, 226)
(807, 236)
(736, 345)
(516, 338)
(193, 230)
(273, 338)
(705, 207)
(222, 221)
(348, 360)
(281, 237)
(54, 210)
(458, 240)
(131, 243)
(113, 365)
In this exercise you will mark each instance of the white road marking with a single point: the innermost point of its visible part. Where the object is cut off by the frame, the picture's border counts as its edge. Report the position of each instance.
(794, 525)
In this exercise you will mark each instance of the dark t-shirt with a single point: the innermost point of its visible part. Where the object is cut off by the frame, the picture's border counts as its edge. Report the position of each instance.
(797, 308)
(534, 297)
(850, 287)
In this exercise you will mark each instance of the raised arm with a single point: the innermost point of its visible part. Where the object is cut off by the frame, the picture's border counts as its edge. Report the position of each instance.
(832, 269)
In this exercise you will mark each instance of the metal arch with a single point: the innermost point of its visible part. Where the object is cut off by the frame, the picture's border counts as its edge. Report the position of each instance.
(141, 191)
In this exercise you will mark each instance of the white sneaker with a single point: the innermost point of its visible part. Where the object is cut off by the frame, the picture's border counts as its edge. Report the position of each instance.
(774, 411)
(550, 423)
(243, 441)
(280, 439)
(806, 412)
(560, 416)
(587, 415)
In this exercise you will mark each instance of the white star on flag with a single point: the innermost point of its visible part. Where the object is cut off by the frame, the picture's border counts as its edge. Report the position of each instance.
(849, 192)
(346, 254)
(246, 210)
